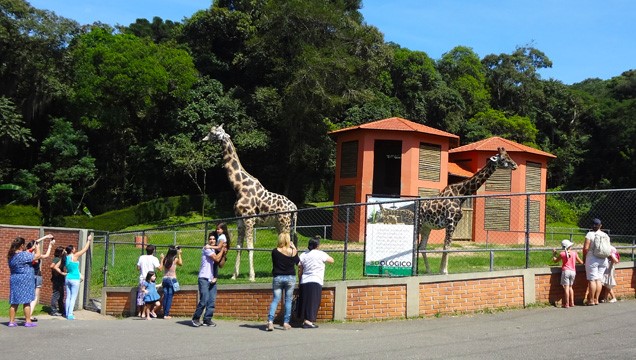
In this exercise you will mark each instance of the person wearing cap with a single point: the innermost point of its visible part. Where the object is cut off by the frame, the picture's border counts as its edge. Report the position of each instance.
(594, 266)
(569, 259)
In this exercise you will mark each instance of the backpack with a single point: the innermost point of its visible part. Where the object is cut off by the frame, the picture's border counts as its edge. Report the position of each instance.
(601, 247)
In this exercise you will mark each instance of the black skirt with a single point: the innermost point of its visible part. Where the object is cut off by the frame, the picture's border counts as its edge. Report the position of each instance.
(310, 295)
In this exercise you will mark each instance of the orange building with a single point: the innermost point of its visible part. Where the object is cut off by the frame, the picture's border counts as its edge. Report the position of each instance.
(397, 157)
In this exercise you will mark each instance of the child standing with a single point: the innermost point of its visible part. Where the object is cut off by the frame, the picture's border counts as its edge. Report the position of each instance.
(151, 296)
(569, 259)
(608, 278)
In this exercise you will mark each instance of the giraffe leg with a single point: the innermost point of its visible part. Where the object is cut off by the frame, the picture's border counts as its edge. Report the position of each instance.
(443, 269)
(249, 237)
(426, 231)
(239, 245)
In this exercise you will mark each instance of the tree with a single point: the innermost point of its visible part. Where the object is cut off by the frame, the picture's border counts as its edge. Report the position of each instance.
(159, 31)
(126, 89)
(67, 172)
(496, 123)
(463, 72)
(514, 80)
(185, 153)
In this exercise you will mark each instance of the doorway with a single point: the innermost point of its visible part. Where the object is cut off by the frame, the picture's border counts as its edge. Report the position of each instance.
(387, 167)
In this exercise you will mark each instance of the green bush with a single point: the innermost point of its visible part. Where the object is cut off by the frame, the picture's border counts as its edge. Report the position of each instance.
(20, 215)
(148, 212)
(560, 211)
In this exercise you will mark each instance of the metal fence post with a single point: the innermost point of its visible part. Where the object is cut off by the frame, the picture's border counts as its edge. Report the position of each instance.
(105, 268)
(527, 231)
(346, 247)
(416, 232)
(492, 260)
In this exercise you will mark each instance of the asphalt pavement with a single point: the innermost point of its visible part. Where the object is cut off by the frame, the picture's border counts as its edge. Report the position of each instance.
(605, 331)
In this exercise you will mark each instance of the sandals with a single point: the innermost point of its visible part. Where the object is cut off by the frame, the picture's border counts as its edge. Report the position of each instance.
(30, 324)
(12, 324)
(309, 326)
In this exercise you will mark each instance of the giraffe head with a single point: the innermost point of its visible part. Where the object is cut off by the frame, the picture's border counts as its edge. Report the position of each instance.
(503, 160)
(216, 133)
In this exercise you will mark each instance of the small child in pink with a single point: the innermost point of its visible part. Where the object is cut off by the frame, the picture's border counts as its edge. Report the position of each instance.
(569, 258)
(608, 278)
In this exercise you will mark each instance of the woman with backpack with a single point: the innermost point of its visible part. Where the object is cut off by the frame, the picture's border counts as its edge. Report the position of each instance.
(595, 263)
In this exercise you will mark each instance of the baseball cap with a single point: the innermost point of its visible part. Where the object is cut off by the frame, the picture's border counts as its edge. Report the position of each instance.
(596, 221)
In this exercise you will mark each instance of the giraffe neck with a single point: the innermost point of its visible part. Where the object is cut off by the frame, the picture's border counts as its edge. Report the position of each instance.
(470, 186)
(235, 171)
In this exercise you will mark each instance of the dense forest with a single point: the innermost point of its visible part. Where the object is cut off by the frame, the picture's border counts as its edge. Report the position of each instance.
(101, 117)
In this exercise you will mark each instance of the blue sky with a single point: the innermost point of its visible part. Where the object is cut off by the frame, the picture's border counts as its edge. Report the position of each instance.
(583, 38)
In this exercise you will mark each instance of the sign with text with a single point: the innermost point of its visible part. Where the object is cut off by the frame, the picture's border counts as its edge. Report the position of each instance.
(388, 249)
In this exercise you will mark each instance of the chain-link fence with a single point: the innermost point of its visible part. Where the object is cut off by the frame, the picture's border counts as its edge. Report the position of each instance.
(496, 232)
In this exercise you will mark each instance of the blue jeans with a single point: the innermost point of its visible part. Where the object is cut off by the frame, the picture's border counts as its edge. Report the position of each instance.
(280, 283)
(168, 294)
(207, 299)
(72, 290)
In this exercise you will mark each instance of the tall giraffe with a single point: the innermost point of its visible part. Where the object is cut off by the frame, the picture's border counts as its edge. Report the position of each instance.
(252, 199)
(445, 211)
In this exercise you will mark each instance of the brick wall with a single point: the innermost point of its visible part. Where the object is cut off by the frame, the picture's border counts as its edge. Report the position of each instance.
(470, 295)
(390, 298)
(376, 302)
(63, 237)
(549, 290)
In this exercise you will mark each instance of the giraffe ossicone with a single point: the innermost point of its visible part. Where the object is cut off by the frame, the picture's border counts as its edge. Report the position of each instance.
(252, 200)
(445, 211)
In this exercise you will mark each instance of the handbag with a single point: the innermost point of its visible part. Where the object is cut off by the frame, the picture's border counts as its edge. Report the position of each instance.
(175, 285)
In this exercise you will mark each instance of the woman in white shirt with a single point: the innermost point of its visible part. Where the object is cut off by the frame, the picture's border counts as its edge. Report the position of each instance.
(312, 272)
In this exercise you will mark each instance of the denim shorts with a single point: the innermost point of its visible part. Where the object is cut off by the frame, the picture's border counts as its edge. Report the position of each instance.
(38, 281)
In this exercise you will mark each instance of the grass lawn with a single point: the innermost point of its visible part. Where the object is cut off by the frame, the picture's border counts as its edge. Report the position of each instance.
(123, 254)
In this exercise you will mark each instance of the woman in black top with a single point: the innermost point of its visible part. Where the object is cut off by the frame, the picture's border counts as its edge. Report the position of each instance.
(284, 261)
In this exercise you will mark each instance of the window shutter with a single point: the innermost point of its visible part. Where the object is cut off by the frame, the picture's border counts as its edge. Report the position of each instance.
(430, 162)
(535, 212)
(500, 180)
(497, 214)
(347, 196)
(533, 177)
(349, 159)
(426, 192)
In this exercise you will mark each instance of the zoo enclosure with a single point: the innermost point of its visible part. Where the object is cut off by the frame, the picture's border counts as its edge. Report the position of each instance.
(566, 215)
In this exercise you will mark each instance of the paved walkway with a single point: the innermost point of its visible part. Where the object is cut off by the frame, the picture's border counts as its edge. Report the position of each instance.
(604, 331)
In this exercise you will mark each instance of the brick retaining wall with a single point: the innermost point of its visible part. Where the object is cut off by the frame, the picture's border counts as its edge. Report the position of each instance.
(392, 298)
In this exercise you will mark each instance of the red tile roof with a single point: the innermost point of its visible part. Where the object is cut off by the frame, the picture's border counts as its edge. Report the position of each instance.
(398, 124)
(454, 169)
(491, 144)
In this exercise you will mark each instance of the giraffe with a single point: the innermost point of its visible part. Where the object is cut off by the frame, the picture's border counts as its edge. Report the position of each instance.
(445, 211)
(252, 199)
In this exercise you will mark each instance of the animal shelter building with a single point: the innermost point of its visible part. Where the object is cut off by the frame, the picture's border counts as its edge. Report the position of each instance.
(396, 157)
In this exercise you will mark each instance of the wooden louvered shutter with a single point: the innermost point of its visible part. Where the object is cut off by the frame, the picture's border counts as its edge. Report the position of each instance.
(535, 212)
(533, 177)
(497, 214)
(500, 180)
(349, 160)
(430, 162)
(426, 192)
(347, 196)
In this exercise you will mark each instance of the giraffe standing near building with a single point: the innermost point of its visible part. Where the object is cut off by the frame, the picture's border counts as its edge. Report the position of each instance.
(252, 199)
(445, 211)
